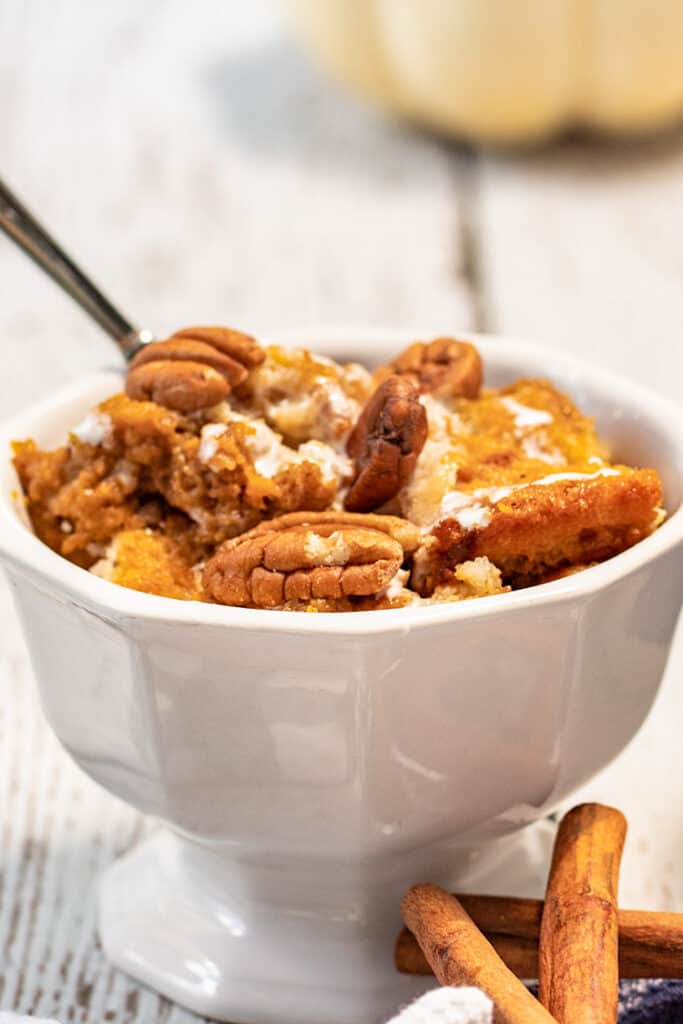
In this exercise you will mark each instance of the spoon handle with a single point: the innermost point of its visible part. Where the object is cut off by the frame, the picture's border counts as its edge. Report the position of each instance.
(29, 235)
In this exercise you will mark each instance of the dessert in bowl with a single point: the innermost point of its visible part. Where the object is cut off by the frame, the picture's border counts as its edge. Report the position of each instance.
(273, 477)
(308, 767)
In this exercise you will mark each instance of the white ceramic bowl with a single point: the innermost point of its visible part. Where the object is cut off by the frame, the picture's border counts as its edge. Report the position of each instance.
(310, 767)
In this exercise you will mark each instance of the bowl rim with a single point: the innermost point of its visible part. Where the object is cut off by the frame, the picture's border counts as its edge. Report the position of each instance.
(24, 551)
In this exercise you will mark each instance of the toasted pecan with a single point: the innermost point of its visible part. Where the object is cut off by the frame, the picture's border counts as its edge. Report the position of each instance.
(238, 346)
(182, 385)
(194, 368)
(444, 367)
(401, 530)
(327, 556)
(388, 437)
(188, 350)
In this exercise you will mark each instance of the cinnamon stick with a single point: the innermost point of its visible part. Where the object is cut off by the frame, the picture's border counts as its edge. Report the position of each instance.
(578, 971)
(519, 955)
(650, 943)
(460, 955)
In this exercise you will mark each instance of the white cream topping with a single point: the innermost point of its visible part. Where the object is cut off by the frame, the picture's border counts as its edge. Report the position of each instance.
(105, 565)
(534, 447)
(94, 428)
(557, 477)
(339, 402)
(442, 422)
(333, 465)
(265, 446)
(268, 451)
(314, 547)
(475, 515)
(525, 416)
(324, 411)
(396, 585)
(208, 445)
(473, 509)
(396, 588)
(332, 550)
(270, 455)
(436, 469)
(338, 552)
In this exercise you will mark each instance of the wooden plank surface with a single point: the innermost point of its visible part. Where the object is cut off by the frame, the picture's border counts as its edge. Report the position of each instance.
(199, 167)
(581, 248)
(203, 171)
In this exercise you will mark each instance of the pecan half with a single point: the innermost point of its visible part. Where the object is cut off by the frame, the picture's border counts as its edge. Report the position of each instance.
(388, 437)
(303, 557)
(242, 348)
(194, 368)
(444, 367)
(401, 530)
(183, 385)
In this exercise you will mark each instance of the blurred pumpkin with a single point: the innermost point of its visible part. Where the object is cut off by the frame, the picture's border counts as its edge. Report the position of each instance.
(506, 70)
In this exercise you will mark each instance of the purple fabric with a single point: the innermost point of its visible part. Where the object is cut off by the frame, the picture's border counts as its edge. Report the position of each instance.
(651, 1002)
(648, 1002)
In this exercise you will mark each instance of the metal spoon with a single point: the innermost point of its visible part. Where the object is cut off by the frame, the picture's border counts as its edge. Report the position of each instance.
(29, 235)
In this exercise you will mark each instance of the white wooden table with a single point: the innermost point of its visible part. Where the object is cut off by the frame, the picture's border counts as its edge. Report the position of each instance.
(192, 159)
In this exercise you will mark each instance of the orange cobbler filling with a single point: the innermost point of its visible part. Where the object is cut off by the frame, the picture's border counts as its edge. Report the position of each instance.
(410, 486)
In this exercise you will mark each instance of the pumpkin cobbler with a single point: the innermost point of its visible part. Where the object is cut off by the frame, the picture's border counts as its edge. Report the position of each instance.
(266, 477)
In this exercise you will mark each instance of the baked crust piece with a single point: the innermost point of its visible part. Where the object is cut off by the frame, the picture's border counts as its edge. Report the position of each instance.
(543, 528)
(151, 562)
(305, 397)
(80, 495)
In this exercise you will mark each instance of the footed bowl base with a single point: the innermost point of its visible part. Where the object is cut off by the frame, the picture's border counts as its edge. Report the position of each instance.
(296, 941)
